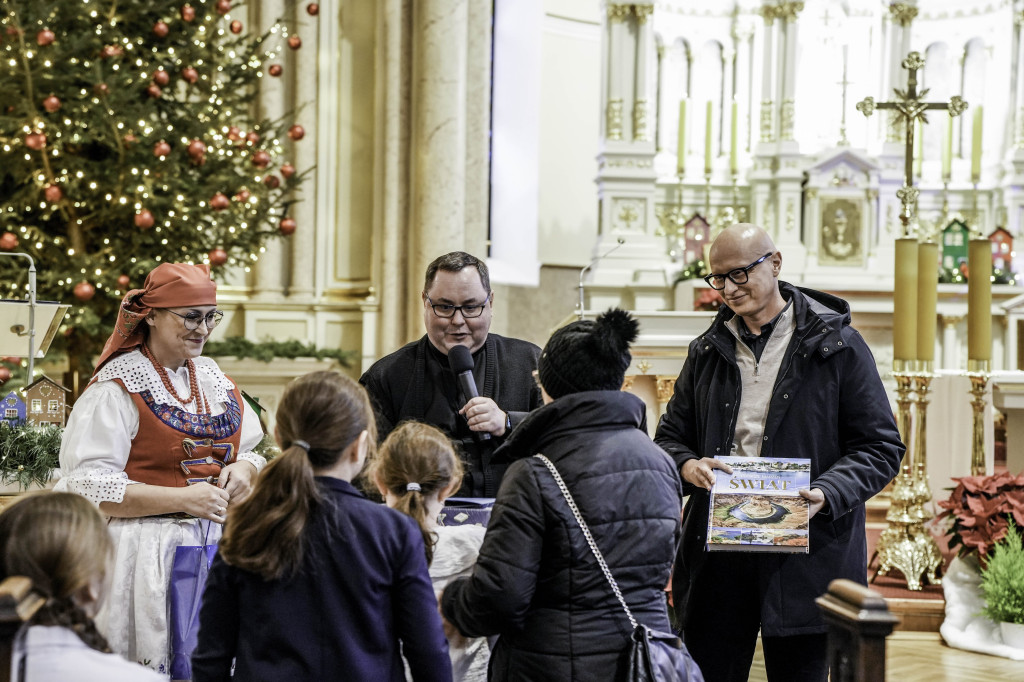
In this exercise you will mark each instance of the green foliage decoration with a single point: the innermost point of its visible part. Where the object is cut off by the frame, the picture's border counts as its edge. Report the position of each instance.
(129, 136)
(28, 454)
(266, 351)
(1002, 579)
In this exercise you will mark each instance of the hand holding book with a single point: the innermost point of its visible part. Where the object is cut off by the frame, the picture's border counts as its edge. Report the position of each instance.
(701, 472)
(817, 499)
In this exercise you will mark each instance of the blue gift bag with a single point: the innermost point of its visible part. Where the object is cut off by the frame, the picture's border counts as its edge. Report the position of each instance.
(185, 596)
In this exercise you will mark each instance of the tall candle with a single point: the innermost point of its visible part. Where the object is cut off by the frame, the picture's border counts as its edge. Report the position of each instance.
(976, 146)
(707, 140)
(947, 150)
(734, 151)
(681, 146)
(904, 302)
(918, 147)
(927, 295)
(979, 300)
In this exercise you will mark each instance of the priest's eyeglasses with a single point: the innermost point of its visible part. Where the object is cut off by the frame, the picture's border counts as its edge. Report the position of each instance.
(737, 276)
(192, 320)
(468, 311)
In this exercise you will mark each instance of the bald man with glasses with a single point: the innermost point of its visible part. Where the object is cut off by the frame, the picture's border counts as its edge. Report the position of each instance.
(416, 381)
(780, 373)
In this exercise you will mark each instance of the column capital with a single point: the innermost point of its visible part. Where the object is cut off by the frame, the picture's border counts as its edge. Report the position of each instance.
(902, 13)
(618, 11)
(642, 12)
(788, 10)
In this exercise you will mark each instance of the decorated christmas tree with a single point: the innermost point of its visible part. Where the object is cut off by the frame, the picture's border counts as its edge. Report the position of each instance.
(130, 136)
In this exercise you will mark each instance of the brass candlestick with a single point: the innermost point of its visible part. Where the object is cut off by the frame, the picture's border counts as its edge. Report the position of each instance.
(707, 195)
(905, 544)
(904, 380)
(923, 383)
(978, 373)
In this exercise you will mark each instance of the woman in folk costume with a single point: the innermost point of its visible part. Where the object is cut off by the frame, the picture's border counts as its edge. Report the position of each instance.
(162, 441)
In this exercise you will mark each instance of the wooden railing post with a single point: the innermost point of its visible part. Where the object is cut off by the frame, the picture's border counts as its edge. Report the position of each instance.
(858, 623)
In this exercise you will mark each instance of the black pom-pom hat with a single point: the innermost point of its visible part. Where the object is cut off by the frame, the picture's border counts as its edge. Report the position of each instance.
(588, 355)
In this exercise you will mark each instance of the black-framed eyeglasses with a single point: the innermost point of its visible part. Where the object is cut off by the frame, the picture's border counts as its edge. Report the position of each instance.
(447, 310)
(192, 320)
(737, 276)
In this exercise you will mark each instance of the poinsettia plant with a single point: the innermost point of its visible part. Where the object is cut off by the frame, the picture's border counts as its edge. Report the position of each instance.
(981, 508)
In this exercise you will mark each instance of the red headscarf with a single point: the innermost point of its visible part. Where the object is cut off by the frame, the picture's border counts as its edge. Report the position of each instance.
(169, 285)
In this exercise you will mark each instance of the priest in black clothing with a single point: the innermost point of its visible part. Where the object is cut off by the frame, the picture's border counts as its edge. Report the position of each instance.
(416, 381)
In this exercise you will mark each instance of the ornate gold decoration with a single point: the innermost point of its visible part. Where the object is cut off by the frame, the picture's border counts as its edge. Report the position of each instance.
(666, 388)
(902, 13)
(769, 12)
(642, 12)
(978, 375)
(614, 122)
(766, 121)
(905, 544)
(787, 116)
(643, 366)
(788, 10)
(640, 120)
(790, 215)
(812, 193)
(628, 212)
(907, 108)
(627, 383)
(618, 12)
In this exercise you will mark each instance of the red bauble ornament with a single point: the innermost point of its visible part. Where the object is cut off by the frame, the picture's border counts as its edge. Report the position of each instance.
(234, 134)
(5, 374)
(223, 6)
(296, 132)
(260, 159)
(160, 29)
(53, 193)
(294, 42)
(111, 51)
(161, 77)
(123, 281)
(286, 226)
(188, 12)
(190, 74)
(161, 148)
(196, 148)
(275, 70)
(219, 202)
(243, 195)
(35, 141)
(218, 257)
(144, 219)
(236, 27)
(153, 90)
(51, 104)
(313, 9)
(8, 241)
(84, 291)
(272, 181)
(45, 37)
(101, 88)
(287, 170)
(253, 138)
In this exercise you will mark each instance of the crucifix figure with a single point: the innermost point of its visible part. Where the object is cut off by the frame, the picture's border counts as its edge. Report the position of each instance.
(910, 108)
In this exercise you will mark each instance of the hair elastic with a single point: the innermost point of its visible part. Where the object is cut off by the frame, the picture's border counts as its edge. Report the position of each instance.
(301, 444)
(413, 487)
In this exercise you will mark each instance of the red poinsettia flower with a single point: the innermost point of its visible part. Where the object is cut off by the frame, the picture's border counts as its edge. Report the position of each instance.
(980, 508)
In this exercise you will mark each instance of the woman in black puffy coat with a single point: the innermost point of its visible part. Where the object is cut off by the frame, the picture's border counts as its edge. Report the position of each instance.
(536, 583)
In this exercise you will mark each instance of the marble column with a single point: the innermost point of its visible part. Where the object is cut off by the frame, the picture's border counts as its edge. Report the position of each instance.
(767, 68)
(1018, 137)
(642, 68)
(304, 153)
(788, 72)
(615, 122)
(743, 36)
(268, 278)
(902, 14)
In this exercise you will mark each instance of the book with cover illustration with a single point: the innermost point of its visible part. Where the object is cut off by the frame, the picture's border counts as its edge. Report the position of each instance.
(758, 508)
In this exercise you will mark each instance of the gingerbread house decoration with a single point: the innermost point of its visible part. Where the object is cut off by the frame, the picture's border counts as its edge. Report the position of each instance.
(696, 235)
(1002, 249)
(954, 245)
(13, 409)
(46, 401)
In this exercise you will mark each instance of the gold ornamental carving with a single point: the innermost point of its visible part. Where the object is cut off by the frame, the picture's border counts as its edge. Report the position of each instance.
(787, 115)
(640, 121)
(787, 11)
(766, 121)
(618, 12)
(642, 12)
(902, 13)
(666, 388)
(812, 193)
(627, 383)
(614, 123)
(769, 12)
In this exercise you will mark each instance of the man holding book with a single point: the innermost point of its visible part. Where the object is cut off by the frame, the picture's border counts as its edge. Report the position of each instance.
(779, 373)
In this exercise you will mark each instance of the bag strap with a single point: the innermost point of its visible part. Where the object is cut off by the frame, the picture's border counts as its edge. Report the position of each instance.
(590, 538)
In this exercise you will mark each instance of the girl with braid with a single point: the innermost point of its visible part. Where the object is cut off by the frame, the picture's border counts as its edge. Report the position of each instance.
(415, 471)
(60, 542)
(313, 581)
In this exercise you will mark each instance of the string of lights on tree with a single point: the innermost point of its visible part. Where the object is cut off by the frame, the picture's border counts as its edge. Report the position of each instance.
(129, 136)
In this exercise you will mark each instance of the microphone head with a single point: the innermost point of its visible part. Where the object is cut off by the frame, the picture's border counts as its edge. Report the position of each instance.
(460, 359)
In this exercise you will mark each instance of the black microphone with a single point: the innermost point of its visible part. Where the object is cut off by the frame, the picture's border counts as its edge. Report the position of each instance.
(461, 362)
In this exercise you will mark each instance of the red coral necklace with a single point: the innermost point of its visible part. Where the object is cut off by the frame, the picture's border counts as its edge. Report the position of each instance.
(202, 407)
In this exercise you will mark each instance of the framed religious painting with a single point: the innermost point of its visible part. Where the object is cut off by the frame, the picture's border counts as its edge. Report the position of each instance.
(841, 237)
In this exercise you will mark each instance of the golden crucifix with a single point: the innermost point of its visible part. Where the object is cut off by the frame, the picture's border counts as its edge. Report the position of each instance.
(909, 108)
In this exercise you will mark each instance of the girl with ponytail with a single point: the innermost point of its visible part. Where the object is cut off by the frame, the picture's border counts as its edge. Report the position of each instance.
(415, 471)
(60, 542)
(313, 580)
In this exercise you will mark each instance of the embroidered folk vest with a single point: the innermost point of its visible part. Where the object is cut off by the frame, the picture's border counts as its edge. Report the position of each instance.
(175, 448)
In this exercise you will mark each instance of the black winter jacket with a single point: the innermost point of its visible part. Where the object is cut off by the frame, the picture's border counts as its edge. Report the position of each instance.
(828, 405)
(536, 582)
